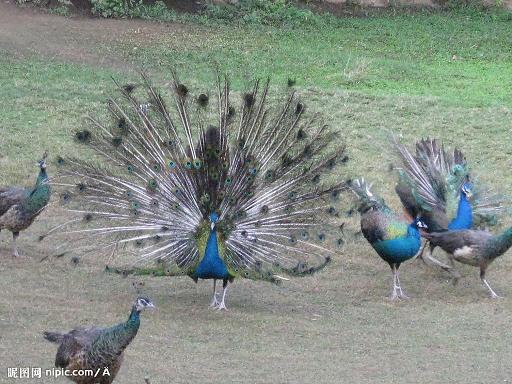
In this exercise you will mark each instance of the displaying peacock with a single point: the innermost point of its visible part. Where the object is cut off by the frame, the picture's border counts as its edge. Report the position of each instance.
(204, 189)
(394, 239)
(473, 247)
(20, 206)
(99, 350)
(435, 185)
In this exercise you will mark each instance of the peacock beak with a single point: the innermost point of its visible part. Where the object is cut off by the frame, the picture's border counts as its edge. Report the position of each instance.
(212, 225)
(151, 306)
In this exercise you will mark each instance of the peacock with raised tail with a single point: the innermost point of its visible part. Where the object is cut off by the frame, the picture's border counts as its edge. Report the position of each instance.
(20, 206)
(435, 184)
(394, 239)
(99, 350)
(203, 189)
(473, 247)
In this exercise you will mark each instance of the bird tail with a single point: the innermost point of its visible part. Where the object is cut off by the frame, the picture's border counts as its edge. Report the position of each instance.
(54, 337)
(366, 198)
(157, 172)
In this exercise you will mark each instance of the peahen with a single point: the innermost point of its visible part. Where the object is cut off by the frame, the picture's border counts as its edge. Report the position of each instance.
(204, 189)
(97, 349)
(20, 206)
(395, 240)
(434, 184)
(473, 247)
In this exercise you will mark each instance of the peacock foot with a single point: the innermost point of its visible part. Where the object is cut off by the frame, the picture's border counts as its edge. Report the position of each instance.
(402, 295)
(494, 295)
(393, 296)
(215, 303)
(222, 306)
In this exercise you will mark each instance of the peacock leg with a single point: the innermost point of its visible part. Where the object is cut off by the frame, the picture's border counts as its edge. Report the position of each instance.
(14, 247)
(482, 277)
(214, 302)
(420, 254)
(222, 304)
(394, 294)
(453, 271)
(401, 293)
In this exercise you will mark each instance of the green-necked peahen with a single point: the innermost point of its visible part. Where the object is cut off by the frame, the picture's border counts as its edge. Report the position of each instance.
(394, 239)
(434, 184)
(20, 206)
(476, 248)
(97, 349)
(204, 189)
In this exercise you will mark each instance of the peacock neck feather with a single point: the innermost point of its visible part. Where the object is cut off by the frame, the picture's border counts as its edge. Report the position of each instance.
(212, 266)
(502, 242)
(113, 341)
(464, 218)
(40, 194)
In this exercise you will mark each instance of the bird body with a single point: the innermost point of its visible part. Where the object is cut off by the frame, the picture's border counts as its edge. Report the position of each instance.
(19, 207)
(473, 247)
(97, 349)
(239, 195)
(394, 240)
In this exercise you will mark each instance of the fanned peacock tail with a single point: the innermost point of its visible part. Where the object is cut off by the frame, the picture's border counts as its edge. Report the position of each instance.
(162, 170)
(433, 178)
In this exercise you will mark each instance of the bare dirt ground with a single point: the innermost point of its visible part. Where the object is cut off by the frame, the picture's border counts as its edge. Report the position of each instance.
(78, 39)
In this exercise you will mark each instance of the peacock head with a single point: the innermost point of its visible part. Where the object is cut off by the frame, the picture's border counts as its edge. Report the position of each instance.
(420, 224)
(143, 303)
(42, 163)
(214, 218)
(467, 190)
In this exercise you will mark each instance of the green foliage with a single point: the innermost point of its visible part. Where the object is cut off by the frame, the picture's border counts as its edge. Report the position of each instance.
(133, 9)
(275, 12)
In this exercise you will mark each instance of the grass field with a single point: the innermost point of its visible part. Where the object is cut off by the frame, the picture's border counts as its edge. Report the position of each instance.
(444, 75)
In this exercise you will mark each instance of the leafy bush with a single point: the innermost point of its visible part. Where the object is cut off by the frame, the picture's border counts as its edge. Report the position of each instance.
(132, 8)
(267, 12)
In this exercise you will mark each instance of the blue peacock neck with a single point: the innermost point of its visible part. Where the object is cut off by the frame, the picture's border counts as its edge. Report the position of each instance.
(412, 230)
(40, 194)
(212, 266)
(464, 218)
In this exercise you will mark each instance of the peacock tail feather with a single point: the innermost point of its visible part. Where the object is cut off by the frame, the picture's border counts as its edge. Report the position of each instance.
(161, 169)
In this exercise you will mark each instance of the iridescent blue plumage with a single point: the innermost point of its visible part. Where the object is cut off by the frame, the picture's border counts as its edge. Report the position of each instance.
(464, 218)
(212, 266)
(393, 239)
(401, 248)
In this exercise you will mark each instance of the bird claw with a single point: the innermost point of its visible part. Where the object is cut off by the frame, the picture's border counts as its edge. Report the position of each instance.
(215, 303)
(495, 296)
(221, 307)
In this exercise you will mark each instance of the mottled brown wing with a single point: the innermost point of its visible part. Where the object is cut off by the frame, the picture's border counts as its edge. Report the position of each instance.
(11, 196)
(74, 343)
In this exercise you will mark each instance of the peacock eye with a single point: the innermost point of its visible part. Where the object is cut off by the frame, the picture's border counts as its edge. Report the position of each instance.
(172, 164)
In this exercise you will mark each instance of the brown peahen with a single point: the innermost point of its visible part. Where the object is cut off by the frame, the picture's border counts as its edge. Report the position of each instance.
(19, 206)
(204, 189)
(97, 349)
(472, 247)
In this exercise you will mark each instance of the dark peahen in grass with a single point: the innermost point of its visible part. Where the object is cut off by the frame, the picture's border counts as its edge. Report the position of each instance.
(434, 184)
(473, 247)
(97, 349)
(20, 206)
(204, 189)
(394, 239)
